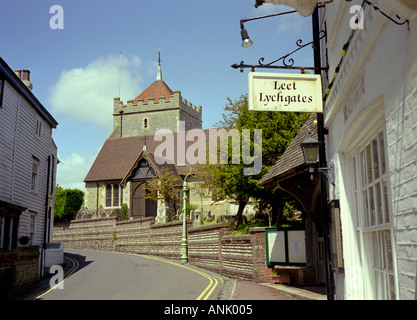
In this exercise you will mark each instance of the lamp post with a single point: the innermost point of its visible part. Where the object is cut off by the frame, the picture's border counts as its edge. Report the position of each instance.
(184, 245)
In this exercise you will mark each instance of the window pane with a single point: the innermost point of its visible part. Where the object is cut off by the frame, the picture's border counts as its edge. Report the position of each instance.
(116, 195)
(108, 195)
(369, 164)
(33, 184)
(385, 194)
(382, 153)
(371, 207)
(390, 265)
(363, 166)
(375, 158)
(392, 287)
(379, 203)
(366, 207)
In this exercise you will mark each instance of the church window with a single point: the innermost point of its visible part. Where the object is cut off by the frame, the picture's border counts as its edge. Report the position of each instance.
(108, 195)
(116, 195)
(144, 170)
(145, 123)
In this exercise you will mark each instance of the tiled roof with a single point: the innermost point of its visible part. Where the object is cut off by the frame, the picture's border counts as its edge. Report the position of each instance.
(292, 158)
(156, 90)
(117, 156)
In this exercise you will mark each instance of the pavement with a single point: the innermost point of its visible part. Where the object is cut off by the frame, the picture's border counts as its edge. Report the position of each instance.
(249, 290)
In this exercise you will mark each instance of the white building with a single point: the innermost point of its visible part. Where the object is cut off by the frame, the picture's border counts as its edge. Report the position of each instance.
(28, 160)
(370, 112)
(371, 115)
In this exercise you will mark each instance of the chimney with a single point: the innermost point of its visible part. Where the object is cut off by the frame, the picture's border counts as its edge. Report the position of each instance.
(26, 79)
(18, 73)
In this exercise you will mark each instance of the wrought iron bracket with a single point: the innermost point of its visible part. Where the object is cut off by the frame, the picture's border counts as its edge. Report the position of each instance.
(287, 61)
(329, 175)
(400, 23)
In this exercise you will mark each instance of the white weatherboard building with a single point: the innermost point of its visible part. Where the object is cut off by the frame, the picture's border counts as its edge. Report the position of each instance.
(370, 111)
(28, 160)
(371, 114)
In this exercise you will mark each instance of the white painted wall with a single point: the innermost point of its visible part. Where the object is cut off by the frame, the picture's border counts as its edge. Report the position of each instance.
(376, 89)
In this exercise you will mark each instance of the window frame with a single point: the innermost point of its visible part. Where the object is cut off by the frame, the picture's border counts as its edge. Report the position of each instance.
(379, 270)
(35, 174)
(110, 192)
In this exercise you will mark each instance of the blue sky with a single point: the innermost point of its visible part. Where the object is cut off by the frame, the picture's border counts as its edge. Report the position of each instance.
(75, 70)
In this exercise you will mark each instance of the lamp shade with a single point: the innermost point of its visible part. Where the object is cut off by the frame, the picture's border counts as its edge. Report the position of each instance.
(310, 148)
(246, 42)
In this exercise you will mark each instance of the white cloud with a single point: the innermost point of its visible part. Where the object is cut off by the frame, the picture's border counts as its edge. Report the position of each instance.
(72, 170)
(86, 94)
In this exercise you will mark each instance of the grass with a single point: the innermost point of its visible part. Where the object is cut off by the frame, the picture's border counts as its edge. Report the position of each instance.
(245, 228)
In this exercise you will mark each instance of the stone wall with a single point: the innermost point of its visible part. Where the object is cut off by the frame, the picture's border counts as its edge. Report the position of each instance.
(209, 247)
(96, 234)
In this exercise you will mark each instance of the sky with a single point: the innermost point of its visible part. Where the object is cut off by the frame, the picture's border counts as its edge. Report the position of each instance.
(75, 70)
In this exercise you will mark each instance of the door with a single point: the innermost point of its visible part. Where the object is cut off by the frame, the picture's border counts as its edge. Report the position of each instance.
(142, 207)
(138, 202)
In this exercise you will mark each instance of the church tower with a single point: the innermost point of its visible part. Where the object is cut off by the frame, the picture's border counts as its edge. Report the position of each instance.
(158, 107)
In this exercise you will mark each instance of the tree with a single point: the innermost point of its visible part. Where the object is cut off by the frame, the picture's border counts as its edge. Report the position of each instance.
(164, 187)
(67, 203)
(278, 130)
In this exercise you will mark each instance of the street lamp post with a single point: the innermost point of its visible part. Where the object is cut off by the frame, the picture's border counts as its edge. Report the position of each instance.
(184, 245)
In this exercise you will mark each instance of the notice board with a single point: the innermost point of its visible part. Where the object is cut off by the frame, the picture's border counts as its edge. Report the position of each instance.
(285, 246)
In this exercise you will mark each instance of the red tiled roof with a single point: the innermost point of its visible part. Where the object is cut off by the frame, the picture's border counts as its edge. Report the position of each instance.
(117, 156)
(156, 90)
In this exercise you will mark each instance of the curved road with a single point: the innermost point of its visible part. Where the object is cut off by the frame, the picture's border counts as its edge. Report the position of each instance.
(102, 275)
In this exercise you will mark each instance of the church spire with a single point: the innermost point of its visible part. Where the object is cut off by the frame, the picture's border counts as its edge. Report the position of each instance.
(159, 73)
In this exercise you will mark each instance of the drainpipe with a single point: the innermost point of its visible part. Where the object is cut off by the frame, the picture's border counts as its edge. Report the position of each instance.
(45, 231)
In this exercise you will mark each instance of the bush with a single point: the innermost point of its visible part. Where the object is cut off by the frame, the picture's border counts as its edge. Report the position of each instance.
(121, 214)
(67, 203)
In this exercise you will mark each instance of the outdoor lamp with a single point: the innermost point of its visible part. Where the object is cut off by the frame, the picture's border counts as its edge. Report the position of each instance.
(310, 148)
(246, 42)
(184, 246)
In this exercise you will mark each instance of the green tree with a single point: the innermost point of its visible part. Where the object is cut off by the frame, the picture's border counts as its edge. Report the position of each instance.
(164, 187)
(67, 203)
(278, 130)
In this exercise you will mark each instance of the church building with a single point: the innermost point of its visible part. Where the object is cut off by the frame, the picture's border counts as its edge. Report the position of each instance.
(127, 160)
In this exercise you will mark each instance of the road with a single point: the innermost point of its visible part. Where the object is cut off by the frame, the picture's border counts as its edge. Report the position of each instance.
(103, 275)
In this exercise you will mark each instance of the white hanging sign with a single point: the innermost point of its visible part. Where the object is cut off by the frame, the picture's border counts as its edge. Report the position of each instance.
(285, 92)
